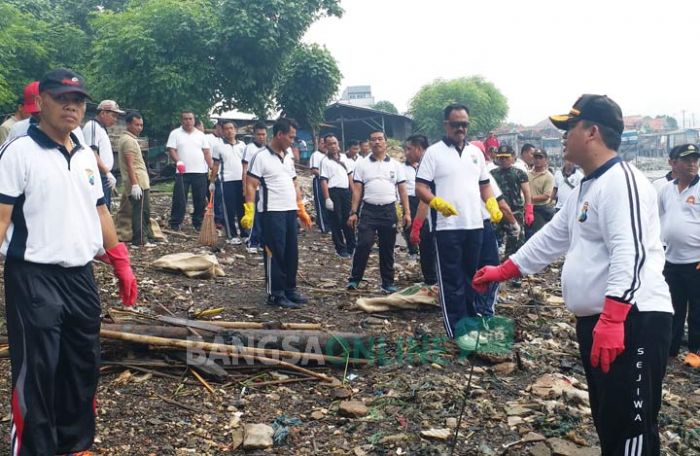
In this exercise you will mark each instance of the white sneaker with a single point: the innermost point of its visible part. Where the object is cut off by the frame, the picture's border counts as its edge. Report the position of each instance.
(252, 249)
(234, 241)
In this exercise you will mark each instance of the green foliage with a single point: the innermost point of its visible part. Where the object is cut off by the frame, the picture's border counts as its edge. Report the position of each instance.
(386, 106)
(487, 105)
(309, 66)
(154, 57)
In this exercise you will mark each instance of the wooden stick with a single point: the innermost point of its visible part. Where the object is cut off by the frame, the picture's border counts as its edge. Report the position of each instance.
(268, 325)
(239, 352)
(203, 382)
(278, 382)
(179, 404)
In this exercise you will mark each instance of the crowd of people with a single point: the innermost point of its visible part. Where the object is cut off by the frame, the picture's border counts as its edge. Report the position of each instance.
(473, 212)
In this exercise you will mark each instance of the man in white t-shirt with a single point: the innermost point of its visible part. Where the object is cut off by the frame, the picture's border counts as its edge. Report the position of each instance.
(227, 174)
(213, 139)
(611, 279)
(679, 209)
(97, 137)
(189, 149)
(314, 164)
(566, 180)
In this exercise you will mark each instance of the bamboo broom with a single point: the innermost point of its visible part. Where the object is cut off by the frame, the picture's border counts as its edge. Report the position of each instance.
(208, 235)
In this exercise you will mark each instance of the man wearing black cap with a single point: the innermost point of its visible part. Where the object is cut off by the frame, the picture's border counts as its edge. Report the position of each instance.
(679, 209)
(53, 222)
(541, 188)
(612, 278)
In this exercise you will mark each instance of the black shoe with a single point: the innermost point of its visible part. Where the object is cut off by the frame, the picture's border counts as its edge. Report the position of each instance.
(282, 301)
(296, 297)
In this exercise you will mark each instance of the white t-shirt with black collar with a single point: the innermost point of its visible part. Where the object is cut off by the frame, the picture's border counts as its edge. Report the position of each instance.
(455, 177)
(98, 139)
(680, 221)
(335, 173)
(315, 160)
(251, 149)
(379, 179)
(190, 149)
(55, 195)
(566, 185)
(410, 172)
(230, 158)
(276, 175)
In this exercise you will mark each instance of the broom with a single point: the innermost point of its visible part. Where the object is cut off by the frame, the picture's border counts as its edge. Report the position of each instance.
(208, 235)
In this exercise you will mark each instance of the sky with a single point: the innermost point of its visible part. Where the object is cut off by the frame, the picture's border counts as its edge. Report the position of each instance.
(540, 54)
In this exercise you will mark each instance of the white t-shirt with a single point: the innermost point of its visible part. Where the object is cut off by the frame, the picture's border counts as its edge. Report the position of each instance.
(190, 148)
(250, 150)
(661, 181)
(680, 222)
(55, 197)
(98, 139)
(276, 176)
(379, 179)
(609, 231)
(20, 129)
(566, 185)
(230, 158)
(520, 164)
(335, 173)
(456, 179)
(315, 160)
(410, 172)
(213, 140)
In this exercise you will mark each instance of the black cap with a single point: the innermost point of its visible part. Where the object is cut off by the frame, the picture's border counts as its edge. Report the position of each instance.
(60, 81)
(505, 151)
(539, 152)
(595, 108)
(684, 150)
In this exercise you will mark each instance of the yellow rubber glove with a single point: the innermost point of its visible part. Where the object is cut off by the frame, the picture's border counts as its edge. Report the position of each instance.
(399, 212)
(247, 220)
(303, 215)
(492, 207)
(443, 207)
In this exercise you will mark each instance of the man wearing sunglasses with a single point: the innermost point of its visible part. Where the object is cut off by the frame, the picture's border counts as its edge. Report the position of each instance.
(612, 278)
(453, 180)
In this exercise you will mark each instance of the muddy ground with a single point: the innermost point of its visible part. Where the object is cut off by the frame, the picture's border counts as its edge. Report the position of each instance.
(403, 398)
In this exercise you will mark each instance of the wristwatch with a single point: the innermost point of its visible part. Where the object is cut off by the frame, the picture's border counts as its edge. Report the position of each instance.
(353, 212)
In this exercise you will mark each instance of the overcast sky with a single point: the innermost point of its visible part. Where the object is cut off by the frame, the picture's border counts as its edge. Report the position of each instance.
(541, 54)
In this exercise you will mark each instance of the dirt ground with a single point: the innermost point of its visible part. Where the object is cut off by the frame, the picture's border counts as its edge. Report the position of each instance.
(403, 399)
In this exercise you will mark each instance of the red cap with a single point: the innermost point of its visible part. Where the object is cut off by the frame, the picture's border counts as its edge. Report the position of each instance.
(31, 91)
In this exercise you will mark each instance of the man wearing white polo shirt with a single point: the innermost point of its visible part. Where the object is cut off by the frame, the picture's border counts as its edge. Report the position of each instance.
(272, 169)
(679, 209)
(228, 175)
(452, 179)
(336, 188)
(257, 144)
(376, 180)
(315, 164)
(53, 222)
(189, 149)
(95, 133)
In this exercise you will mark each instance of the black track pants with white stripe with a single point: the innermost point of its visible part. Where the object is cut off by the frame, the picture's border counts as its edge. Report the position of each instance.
(53, 326)
(280, 251)
(625, 402)
(319, 206)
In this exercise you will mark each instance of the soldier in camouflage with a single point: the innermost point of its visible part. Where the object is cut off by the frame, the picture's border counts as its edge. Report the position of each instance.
(516, 191)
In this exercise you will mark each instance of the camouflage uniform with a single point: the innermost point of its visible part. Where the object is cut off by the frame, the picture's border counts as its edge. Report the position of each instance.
(510, 181)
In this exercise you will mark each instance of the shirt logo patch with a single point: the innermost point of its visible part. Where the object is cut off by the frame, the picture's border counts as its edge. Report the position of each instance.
(90, 175)
(392, 174)
(690, 200)
(583, 215)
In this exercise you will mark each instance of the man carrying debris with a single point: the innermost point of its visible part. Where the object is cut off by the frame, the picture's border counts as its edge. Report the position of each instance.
(280, 204)
(611, 280)
(679, 209)
(376, 180)
(452, 179)
(53, 221)
(136, 182)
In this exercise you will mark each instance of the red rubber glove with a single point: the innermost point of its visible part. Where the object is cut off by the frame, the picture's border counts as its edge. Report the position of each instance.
(417, 225)
(609, 334)
(119, 259)
(529, 214)
(488, 274)
(180, 167)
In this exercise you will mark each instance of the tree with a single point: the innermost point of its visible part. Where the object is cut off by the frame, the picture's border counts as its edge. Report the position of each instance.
(488, 107)
(386, 106)
(310, 66)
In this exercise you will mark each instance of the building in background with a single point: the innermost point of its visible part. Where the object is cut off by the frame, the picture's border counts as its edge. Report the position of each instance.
(358, 96)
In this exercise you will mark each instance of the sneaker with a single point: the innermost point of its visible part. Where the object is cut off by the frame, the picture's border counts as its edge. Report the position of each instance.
(692, 360)
(466, 343)
(388, 288)
(149, 245)
(282, 301)
(234, 241)
(252, 249)
(352, 285)
(296, 297)
(342, 254)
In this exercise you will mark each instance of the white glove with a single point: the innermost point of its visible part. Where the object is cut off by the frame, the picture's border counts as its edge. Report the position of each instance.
(329, 204)
(514, 229)
(136, 192)
(111, 180)
(212, 187)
